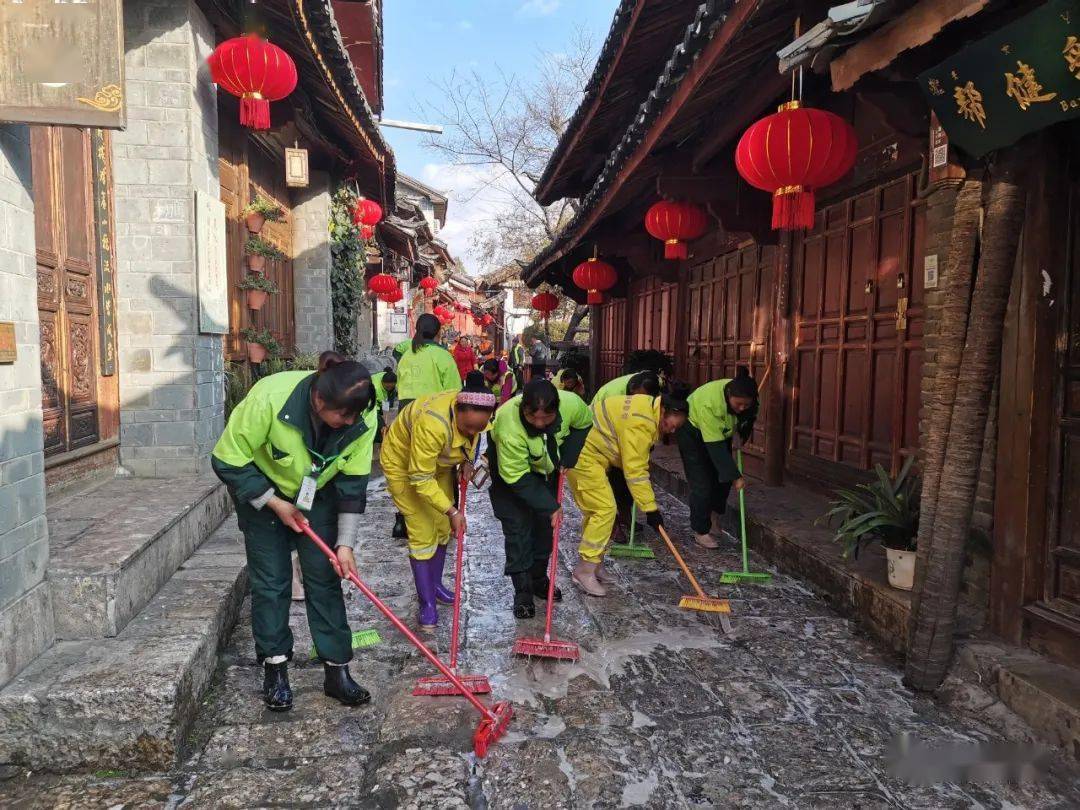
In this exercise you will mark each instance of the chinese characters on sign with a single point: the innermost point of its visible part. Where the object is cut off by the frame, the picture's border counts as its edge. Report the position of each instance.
(103, 236)
(1018, 80)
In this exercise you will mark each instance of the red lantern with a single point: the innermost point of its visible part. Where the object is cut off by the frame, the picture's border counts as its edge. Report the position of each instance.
(675, 223)
(545, 303)
(367, 232)
(595, 277)
(792, 153)
(393, 297)
(367, 212)
(382, 284)
(487, 320)
(429, 284)
(257, 72)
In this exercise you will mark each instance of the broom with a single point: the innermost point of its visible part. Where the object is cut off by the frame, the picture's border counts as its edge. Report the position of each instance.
(642, 552)
(437, 684)
(493, 721)
(547, 647)
(746, 575)
(701, 601)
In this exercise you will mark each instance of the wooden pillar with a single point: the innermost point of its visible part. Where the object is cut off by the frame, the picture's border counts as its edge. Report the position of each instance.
(596, 338)
(682, 323)
(780, 343)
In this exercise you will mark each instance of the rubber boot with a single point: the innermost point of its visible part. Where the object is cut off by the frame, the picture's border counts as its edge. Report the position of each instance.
(444, 595)
(428, 617)
(338, 684)
(584, 577)
(706, 540)
(276, 690)
(523, 595)
(540, 581)
(297, 581)
(401, 531)
(602, 573)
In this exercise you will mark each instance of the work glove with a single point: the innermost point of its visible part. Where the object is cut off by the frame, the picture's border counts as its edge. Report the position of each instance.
(655, 520)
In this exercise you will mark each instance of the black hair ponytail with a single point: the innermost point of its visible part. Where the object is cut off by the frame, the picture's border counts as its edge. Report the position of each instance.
(647, 380)
(389, 375)
(427, 328)
(742, 385)
(539, 396)
(343, 384)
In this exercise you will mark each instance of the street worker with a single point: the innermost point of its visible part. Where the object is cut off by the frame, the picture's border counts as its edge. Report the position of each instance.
(486, 349)
(517, 359)
(297, 450)
(464, 356)
(534, 435)
(499, 379)
(568, 379)
(538, 357)
(423, 368)
(623, 434)
(426, 442)
(385, 383)
(718, 410)
(640, 382)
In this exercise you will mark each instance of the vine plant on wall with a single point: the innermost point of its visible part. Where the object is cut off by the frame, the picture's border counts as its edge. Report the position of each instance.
(346, 271)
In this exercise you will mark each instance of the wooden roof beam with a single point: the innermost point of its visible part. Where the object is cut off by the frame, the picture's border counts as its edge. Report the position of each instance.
(764, 94)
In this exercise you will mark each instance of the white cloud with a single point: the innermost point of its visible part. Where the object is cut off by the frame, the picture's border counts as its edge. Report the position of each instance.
(464, 25)
(539, 8)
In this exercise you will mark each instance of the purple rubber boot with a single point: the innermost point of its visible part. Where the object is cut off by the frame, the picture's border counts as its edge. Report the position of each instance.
(444, 595)
(423, 577)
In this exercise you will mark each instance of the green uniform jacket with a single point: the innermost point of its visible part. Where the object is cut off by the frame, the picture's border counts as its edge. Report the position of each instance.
(615, 388)
(381, 394)
(524, 460)
(517, 355)
(710, 415)
(269, 441)
(431, 370)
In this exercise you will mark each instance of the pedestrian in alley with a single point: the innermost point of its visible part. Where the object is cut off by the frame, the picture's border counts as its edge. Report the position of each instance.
(517, 359)
(385, 383)
(428, 442)
(464, 356)
(499, 379)
(538, 357)
(486, 349)
(624, 431)
(719, 410)
(535, 434)
(297, 450)
(424, 368)
(568, 379)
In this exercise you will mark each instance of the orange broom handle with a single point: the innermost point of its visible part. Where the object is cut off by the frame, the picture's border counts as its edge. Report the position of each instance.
(682, 565)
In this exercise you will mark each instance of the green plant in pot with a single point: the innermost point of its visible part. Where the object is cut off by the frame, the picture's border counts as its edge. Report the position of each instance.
(260, 344)
(257, 288)
(258, 250)
(260, 212)
(886, 510)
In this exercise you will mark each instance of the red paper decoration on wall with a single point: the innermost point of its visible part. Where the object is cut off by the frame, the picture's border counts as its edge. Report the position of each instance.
(257, 72)
(676, 223)
(595, 277)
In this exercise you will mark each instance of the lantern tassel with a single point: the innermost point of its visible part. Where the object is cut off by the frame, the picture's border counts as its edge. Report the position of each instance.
(254, 112)
(674, 249)
(793, 209)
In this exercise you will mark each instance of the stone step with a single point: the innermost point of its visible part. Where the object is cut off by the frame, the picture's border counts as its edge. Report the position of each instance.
(112, 546)
(127, 703)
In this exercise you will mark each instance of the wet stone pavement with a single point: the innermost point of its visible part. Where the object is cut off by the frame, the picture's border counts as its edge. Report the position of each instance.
(793, 707)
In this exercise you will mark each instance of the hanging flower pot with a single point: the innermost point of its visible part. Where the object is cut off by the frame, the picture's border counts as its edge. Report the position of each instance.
(260, 344)
(256, 299)
(256, 290)
(258, 250)
(257, 72)
(256, 352)
(260, 212)
(675, 224)
(595, 277)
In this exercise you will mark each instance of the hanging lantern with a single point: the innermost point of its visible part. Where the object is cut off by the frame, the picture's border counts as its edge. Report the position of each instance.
(487, 320)
(382, 284)
(367, 212)
(393, 297)
(257, 72)
(792, 153)
(367, 232)
(429, 284)
(595, 277)
(545, 303)
(676, 223)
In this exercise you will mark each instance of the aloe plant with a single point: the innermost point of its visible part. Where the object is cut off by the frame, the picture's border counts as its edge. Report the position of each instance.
(884, 510)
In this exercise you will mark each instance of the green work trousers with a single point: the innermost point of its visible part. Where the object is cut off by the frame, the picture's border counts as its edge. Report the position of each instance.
(526, 532)
(708, 493)
(269, 545)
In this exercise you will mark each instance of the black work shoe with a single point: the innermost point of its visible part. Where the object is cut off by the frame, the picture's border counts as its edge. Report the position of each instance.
(523, 596)
(338, 684)
(400, 531)
(540, 581)
(276, 690)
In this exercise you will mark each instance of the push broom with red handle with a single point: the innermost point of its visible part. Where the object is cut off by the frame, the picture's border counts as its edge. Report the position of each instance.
(493, 721)
(547, 647)
(437, 684)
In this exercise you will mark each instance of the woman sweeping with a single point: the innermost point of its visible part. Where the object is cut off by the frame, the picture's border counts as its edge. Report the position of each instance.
(718, 410)
(534, 435)
(623, 434)
(385, 383)
(640, 382)
(429, 439)
(424, 368)
(297, 450)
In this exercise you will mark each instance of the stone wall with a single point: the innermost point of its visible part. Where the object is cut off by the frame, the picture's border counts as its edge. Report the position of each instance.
(171, 376)
(311, 267)
(26, 620)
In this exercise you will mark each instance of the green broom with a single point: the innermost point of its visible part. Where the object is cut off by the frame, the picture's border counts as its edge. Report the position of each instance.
(642, 552)
(746, 575)
(361, 638)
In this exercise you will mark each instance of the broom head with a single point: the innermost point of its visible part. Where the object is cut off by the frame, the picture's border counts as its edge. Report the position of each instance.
(735, 577)
(538, 648)
(631, 552)
(360, 639)
(705, 603)
(441, 685)
(492, 728)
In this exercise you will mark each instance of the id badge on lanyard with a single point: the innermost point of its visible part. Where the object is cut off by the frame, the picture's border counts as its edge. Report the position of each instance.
(305, 498)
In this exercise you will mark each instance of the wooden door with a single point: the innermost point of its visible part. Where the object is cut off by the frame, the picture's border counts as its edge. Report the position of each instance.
(67, 287)
(612, 316)
(652, 320)
(858, 327)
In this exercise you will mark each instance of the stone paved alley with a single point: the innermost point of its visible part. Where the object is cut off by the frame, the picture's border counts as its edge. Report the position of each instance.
(796, 708)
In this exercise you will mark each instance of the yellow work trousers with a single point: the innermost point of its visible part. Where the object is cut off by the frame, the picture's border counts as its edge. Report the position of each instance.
(428, 528)
(593, 494)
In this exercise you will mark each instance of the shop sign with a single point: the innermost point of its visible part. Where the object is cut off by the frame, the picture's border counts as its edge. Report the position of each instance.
(62, 63)
(1022, 78)
(9, 352)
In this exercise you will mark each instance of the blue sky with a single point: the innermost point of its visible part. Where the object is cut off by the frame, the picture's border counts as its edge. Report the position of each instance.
(426, 39)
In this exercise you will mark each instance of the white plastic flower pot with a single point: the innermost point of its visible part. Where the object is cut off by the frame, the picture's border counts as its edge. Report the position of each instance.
(901, 568)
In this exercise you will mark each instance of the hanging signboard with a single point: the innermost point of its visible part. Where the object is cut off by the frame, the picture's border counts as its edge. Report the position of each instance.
(1020, 79)
(62, 63)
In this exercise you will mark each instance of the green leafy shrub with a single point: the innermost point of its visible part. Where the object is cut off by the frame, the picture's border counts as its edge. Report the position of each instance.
(884, 510)
(263, 338)
(254, 281)
(348, 262)
(257, 246)
(270, 211)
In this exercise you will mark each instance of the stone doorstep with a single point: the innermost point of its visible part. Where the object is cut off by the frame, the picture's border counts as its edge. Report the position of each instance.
(780, 525)
(127, 703)
(114, 545)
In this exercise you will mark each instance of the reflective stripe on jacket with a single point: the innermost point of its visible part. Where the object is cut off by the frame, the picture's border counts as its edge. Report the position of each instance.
(623, 434)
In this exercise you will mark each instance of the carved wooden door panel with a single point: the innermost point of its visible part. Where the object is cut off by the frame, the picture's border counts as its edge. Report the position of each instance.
(67, 295)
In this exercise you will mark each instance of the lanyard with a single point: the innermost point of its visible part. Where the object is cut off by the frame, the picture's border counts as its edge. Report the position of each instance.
(323, 462)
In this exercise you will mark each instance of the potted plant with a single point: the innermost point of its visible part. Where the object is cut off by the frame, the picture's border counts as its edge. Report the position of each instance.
(258, 250)
(260, 343)
(886, 511)
(260, 212)
(257, 288)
